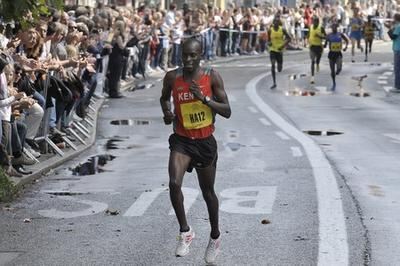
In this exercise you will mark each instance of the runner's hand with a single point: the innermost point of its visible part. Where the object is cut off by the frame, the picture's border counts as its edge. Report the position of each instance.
(344, 49)
(168, 117)
(195, 89)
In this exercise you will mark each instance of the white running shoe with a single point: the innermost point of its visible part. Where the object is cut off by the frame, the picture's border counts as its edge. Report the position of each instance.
(184, 241)
(212, 250)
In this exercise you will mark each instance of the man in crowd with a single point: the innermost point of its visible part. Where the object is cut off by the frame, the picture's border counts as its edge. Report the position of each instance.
(394, 34)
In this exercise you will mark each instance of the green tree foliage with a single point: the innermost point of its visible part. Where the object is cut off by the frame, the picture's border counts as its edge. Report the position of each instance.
(7, 188)
(26, 10)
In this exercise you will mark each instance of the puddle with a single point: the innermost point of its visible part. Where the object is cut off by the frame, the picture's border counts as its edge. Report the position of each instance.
(129, 122)
(360, 94)
(301, 93)
(234, 146)
(142, 86)
(65, 193)
(92, 165)
(322, 133)
(134, 146)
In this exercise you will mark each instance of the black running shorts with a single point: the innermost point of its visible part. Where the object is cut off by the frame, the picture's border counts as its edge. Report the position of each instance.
(334, 55)
(276, 56)
(202, 151)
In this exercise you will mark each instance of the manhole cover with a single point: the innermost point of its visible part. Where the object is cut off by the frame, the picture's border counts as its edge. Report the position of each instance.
(129, 122)
(322, 132)
(360, 94)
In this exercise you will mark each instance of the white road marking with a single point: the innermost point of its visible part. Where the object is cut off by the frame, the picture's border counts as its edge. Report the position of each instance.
(263, 200)
(140, 206)
(382, 82)
(190, 195)
(321, 88)
(296, 151)
(232, 98)
(95, 207)
(264, 121)
(395, 138)
(387, 88)
(282, 135)
(383, 77)
(158, 80)
(252, 109)
(388, 73)
(7, 257)
(333, 247)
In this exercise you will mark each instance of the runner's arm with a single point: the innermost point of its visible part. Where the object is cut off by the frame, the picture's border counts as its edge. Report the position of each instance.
(219, 102)
(165, 99)
(288, 39)
(346, 41)
(326, 43)
(323, 33)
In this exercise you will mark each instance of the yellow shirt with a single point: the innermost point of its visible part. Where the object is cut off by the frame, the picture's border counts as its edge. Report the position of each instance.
(277, 40)
(314, 37)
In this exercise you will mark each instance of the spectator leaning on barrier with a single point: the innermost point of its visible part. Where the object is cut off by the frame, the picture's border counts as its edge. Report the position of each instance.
(394, 34)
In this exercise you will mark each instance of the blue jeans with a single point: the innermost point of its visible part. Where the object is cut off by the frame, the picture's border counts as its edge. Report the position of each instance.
(397, 70)
(209, 44)
(176, 55)
(40, 99)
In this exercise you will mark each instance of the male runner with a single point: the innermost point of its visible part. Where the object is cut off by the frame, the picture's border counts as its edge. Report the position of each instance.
(315, 36)
(369, 32)
(335, 40)
(356, 24)
(278, 39)
(198, 95)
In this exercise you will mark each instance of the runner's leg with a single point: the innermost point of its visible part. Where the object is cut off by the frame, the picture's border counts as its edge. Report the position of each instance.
(178, 164)
(353, 42)
(332, 64)
(273, 61)
(206, 178)
(339, 63)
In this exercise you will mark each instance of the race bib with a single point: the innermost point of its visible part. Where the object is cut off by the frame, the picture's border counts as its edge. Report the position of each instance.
(355, 27)
(336, 46)
(196, 115)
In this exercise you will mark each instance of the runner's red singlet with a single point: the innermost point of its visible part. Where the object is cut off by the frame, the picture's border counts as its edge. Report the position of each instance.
(195, 120)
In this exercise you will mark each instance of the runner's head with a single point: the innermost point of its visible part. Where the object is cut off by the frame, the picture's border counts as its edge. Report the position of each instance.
(191, 54)
(334, 27)
(277, 21)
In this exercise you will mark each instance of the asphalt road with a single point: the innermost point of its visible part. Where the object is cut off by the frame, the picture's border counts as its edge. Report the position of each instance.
(286, 198)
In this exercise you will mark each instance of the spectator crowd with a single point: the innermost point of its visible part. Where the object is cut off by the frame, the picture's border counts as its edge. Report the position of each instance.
(51, 67)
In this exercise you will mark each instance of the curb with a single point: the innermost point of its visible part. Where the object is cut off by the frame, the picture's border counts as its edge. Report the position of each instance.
(55, 161)
(47, 165)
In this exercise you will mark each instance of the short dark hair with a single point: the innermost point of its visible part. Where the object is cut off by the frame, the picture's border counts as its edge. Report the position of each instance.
(192, 40)
(172, 6)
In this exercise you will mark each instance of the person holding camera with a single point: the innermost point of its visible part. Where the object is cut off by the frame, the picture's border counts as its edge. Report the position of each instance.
(394, 34)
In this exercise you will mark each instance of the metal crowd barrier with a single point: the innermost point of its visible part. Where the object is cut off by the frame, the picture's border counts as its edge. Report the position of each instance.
(76, 128)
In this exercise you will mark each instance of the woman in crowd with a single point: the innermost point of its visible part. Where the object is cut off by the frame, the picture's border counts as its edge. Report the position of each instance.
(116, 56)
